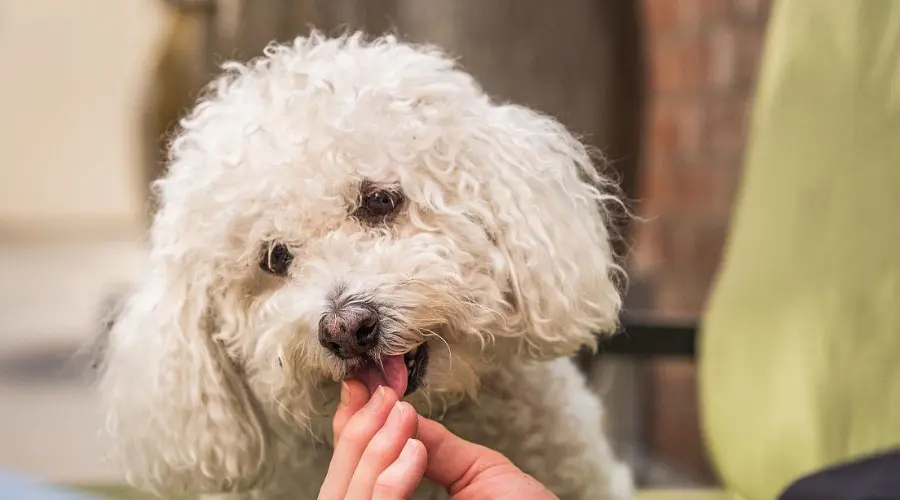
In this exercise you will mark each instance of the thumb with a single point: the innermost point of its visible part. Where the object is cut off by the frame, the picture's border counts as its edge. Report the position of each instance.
(454, 462)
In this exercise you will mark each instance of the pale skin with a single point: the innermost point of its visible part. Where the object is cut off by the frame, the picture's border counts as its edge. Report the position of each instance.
(383, 449)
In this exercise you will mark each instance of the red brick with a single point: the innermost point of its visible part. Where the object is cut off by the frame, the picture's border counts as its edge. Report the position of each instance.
(660, 17)
(678, 296)
(752, 11)
(645, 259)
(653, 188)
(694, 255)
(708, 248)
(726, 179)
(715, 10)
(671, 18)
(693, 191)
(726, 121)
(676, 129)
(691, 15)
(703, 58)
(678, 242)
(750, 45)
(713, 189)
(688, 189)
(688, 256)
(678, 66)
(734, 51)
(722, 52)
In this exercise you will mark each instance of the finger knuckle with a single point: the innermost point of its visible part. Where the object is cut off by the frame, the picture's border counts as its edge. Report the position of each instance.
(381, 446)
(357, 431)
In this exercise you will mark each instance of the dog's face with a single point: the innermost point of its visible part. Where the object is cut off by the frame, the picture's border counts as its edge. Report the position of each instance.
(338, 209)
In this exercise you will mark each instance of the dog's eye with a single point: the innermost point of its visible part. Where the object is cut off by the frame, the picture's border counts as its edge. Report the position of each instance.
(276, 259)
(379, 205)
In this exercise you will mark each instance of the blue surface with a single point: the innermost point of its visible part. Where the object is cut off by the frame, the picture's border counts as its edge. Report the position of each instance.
(17, 487)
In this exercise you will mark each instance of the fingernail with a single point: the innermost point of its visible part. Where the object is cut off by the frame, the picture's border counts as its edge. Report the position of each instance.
(377, 397)
(345, 393)
(396, 416)
(409, 450)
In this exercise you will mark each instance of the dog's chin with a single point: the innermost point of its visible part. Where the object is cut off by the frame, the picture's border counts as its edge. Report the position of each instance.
(404, 373)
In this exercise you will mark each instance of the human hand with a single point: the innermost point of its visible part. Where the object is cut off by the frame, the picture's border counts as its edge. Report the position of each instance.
(469, 471)
(368, 461)
(375, 456)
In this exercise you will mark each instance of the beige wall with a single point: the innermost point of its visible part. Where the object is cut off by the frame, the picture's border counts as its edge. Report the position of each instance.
(73, 76)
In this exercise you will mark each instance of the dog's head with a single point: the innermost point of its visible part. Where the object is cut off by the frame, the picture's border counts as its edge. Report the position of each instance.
(343, 208)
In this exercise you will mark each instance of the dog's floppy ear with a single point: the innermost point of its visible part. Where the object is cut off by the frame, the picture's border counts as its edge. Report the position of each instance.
(179, 413)
(550, 229)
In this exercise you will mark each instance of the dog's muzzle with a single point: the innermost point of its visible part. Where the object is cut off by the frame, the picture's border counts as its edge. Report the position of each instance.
(352, 332)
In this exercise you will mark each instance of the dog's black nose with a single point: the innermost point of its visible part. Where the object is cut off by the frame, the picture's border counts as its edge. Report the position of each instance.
(349, 332)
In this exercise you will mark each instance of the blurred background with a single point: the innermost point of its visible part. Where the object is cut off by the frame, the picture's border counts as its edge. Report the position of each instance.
(92, 87)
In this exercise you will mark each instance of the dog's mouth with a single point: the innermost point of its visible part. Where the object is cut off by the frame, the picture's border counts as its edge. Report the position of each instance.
(404, 373)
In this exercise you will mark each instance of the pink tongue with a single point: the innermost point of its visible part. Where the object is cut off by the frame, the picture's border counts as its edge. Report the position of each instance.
(394, 374)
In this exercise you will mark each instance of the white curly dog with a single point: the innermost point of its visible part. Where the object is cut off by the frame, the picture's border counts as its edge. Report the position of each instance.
(349, 207)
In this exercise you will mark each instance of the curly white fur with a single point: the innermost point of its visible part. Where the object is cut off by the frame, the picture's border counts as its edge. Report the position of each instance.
(500, 260)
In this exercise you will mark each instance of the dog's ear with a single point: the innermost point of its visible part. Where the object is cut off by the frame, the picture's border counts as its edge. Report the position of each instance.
(180, 415)
(550, 230)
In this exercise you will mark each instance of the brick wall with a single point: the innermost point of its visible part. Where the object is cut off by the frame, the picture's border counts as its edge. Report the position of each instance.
(702, 58)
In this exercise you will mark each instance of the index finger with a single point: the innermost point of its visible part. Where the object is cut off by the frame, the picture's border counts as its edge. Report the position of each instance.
(353, 397)
(354, 438)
